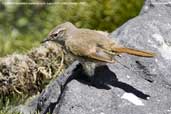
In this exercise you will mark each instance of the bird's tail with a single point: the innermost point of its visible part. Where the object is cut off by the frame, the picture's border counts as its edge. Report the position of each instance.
(133, 52)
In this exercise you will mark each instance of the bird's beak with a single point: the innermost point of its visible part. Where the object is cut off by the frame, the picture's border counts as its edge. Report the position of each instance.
(45, 40)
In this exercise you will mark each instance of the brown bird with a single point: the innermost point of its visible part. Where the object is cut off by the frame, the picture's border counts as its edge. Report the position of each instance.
(89, 47)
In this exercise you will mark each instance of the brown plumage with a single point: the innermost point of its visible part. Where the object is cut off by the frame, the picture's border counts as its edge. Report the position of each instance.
(89, 46)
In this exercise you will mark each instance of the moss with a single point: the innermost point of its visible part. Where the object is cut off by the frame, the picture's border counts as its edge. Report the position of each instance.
(27, 73)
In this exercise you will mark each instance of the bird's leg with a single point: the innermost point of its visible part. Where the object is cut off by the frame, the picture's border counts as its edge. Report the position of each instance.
(89, 70)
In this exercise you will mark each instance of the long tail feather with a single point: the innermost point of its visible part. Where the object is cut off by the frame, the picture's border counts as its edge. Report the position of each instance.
(133, 52)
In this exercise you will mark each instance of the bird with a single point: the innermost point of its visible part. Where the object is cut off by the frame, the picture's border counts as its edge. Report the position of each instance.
(90, 47)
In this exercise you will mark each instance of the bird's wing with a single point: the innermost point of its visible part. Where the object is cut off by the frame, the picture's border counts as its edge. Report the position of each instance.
(89, 51)
(111, 47)
(99, 54)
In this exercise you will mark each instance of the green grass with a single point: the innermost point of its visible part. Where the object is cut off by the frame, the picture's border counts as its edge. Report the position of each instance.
(19, 45)
(7, 103)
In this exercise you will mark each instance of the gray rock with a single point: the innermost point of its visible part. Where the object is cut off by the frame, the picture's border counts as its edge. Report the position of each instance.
(134, 85)
(149, 79)
(50, 96)
(84, 99)
(150, 4)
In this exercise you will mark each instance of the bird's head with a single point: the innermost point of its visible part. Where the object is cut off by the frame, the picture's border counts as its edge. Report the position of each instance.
(58, 34)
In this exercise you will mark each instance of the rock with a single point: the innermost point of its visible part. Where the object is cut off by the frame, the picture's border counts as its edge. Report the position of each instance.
(50, 96)
(149, 4)
(134, 85)
(84, 99)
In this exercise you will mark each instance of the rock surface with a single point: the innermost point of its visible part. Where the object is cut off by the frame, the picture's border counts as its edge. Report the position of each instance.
(133, 86)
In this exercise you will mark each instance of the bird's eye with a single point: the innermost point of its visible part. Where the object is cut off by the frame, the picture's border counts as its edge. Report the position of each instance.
(55, 35)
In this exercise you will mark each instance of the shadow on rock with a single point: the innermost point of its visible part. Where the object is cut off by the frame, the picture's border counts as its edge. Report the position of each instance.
(104, 78)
